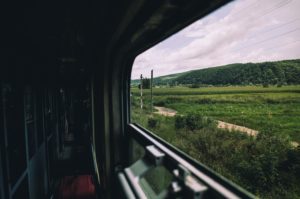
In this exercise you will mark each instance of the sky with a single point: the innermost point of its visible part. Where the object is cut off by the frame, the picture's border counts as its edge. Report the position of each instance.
(239, 32)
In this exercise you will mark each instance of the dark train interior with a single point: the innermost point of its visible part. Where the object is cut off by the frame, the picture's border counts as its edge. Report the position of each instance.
(65, 119)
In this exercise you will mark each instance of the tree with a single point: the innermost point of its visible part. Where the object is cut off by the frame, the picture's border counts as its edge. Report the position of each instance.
(146, 83)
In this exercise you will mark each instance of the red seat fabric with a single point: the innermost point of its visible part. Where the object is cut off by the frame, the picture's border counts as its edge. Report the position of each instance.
(77, 187)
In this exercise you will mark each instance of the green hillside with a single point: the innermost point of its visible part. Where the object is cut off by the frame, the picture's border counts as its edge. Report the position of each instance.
(273, 73)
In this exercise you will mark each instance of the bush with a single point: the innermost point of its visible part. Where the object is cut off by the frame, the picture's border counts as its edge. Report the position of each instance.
(159, 103)
(265, 165)
(194, 86)
(179, 122)
(194, 121)
(153, 123)
(279, 84)
(205, 101)
(210, 122)
(265, 85)
(261, 162)
(171, 100)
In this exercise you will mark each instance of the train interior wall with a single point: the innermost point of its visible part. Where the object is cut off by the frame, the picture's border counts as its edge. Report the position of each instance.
(59, 58)
(45, 135)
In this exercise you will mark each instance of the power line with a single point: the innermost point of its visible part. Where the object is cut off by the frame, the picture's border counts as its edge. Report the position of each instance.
(277, 27)
(280, 5)
(274, 37)
(271, 9)
(278, 46)
(250, 5)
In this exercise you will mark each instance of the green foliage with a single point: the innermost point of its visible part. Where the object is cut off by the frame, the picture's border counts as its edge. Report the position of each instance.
(146, 83)
(179, 122)
(205, 101)
(159, 103)
(267, 73)
(259, 165)
(261, 162)
(152, 122)
(265, 84)
(194, 86)
(279, 84)
(266, 165)
(292, 162)
(251, 106)
(194, 121)
(176, 92)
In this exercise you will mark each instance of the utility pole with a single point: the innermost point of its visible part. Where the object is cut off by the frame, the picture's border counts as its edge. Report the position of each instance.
(151, 87)
(141, 89)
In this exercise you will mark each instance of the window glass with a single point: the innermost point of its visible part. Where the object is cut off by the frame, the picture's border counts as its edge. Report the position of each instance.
(149, 182)
(153, 187)
(136, 151)
(226, 91)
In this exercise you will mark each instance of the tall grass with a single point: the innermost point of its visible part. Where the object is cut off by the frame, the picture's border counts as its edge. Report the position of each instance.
(266, 165)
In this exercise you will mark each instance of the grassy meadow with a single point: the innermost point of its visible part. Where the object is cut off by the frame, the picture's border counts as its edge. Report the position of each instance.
(258, 108)
(266, 165)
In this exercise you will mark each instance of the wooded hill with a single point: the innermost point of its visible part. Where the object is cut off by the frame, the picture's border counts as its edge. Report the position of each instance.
(266, 73)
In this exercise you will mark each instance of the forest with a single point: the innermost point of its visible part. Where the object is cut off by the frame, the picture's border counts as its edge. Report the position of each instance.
(286, 72)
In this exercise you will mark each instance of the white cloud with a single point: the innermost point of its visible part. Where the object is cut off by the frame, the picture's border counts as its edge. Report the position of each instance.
(242, 31)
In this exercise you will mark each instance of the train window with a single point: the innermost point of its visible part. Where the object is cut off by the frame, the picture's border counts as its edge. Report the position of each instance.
(151, 185)
(137, 151)
(226, 91)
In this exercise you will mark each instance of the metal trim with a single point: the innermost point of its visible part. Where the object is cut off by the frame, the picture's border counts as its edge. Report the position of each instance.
(212, 180)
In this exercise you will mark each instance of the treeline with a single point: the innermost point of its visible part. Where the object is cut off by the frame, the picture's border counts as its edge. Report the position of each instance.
(266, 73)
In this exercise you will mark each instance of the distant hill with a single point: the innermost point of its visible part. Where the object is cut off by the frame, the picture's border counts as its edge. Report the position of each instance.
(162, 80)
(278, 72)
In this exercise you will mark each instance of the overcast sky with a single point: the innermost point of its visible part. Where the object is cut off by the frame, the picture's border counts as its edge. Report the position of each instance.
(239, 32)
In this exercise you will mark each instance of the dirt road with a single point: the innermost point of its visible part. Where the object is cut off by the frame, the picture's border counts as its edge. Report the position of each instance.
(222, 125)
(233, 127)
(165, 111)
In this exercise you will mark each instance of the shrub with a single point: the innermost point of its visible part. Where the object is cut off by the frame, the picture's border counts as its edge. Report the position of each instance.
(211, 122)
(179, 122)
(272, 101)
(159, 103)
(265, 165)
(205, 101)
(279, 84)
(265, 85)
(293, 161)
(194, 86)
(170, 100)
(152, 122)
(194, 121)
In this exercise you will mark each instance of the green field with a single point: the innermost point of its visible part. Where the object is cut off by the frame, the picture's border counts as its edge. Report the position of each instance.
(266, 165)
(276, 109)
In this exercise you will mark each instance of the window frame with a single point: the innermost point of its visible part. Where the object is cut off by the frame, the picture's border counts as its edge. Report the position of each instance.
(216, 183)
